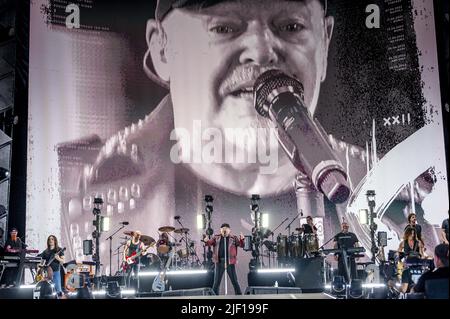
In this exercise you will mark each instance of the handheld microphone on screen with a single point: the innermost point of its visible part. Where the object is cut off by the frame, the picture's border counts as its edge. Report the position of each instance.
(124, 223)
(279, 98)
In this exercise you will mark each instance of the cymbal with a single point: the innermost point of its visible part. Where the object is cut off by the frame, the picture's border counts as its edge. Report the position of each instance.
(166, 229)
(128, 233)
(182, 230)
(147, 240)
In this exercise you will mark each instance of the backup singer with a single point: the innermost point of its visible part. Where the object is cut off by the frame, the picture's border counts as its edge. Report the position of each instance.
(55, 256)
(133, 247)
(412, 223)
(410, 247)
(224, 256)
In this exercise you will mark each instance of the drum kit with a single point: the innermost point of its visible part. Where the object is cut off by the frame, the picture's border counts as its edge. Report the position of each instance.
(185, 255)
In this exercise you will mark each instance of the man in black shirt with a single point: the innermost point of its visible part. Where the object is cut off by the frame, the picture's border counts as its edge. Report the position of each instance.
(309, 227)
(444, 231)
(13, 247)
(345, 240)
(440, 271)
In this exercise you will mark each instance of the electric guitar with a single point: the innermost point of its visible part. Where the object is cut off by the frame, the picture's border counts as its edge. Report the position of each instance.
(45, 272)
(159, 283)
(129, 260)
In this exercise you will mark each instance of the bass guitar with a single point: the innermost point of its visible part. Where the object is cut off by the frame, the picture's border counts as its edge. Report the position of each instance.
(130, 260)
(159, 283)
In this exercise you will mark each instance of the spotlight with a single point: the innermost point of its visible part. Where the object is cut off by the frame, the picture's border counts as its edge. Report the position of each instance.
(113, 290)
(104, 224)
(338, 286)
(201, 222)
(356, 289)
(364, 216)
(265, 220)
(4, 173)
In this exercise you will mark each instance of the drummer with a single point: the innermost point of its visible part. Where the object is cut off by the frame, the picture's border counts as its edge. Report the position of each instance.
(164, 246)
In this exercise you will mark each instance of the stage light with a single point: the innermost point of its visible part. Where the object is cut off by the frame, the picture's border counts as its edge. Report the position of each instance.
(128, 292)
(364, 216)
(338, 285)
(356, 289)
(113, 290)
(174, 272)
(265, 220)
(201, 221)
(276, 270)
(104, 224)
(4, 173)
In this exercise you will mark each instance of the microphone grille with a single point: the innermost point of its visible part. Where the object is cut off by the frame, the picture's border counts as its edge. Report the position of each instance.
(269, 81)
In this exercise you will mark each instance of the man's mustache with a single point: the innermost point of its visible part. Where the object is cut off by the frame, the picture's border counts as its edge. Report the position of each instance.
(242, 77)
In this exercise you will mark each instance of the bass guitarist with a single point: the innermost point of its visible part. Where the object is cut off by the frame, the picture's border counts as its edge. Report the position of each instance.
(133, 248)
(54, 258)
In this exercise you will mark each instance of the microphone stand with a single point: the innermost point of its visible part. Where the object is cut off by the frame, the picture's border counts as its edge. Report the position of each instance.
(288, 227)
(110, 247)
(273, 232)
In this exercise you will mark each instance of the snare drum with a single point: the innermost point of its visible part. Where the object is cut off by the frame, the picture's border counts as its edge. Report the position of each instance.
(311, 243)
(282, 246)
(182, 253)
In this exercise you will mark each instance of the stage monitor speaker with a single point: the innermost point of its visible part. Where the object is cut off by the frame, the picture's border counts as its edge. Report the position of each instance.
(270, 279)
(17, 293)
(309, 274)
(272, 290)
(188, 292)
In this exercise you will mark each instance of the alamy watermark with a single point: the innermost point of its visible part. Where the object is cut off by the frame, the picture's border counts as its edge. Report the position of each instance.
(228, 145)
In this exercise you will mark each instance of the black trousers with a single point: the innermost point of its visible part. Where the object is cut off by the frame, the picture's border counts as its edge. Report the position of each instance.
(130, 269)
(352, 268)
(9, 276)
(219, 269)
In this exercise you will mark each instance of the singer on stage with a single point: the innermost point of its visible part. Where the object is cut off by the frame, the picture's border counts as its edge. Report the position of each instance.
(225, 256)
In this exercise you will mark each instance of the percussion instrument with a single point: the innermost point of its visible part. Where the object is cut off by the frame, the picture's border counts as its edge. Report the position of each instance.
(181, 231)
(147, 240)
(183, 253)
(282, 246)
(311, 243)
(166, 229)
(296, 246)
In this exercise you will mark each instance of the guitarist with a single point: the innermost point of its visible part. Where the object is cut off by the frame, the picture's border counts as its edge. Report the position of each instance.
(54, 258)
(225, 254)
(132, 247)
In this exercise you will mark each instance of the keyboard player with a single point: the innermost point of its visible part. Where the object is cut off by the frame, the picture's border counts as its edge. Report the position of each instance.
(13, 247)
(345, 240)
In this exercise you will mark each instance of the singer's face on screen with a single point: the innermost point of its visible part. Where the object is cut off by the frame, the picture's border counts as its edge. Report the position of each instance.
(212, 56)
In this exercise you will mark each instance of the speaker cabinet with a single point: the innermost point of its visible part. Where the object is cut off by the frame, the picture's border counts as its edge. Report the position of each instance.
(309, 274)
